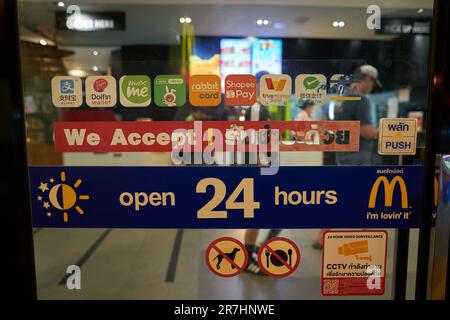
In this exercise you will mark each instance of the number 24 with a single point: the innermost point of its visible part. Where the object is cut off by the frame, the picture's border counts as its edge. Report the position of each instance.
(220, 190)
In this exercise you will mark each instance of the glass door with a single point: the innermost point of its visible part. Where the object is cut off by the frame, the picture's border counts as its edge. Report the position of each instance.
(248, 150)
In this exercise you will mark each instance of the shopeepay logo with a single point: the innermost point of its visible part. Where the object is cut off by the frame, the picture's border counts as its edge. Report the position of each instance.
(204, 91)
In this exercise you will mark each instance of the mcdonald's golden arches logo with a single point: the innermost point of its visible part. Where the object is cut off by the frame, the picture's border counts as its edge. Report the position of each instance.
(389, 188)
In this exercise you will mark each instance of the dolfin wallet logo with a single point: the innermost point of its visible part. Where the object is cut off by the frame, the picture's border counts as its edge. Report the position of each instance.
(101, 91)
(58, 197)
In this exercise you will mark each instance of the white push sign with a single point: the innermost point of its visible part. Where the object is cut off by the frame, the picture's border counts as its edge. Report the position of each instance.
(398, 136)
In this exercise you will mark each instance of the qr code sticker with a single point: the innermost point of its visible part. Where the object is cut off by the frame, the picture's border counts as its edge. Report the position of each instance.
(331, 286)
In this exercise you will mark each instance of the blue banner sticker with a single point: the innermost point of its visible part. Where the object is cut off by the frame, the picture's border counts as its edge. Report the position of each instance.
(226, 197)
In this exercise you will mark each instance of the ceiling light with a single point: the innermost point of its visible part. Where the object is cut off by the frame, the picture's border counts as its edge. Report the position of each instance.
(43, 42)
(95, 53)
(60, 4)
(335, 24)
(182, 20)
(420, 10)
(265, 22)
(188, 20)
(259, 22)
(95, 68)
(341, 24)
(76, 73)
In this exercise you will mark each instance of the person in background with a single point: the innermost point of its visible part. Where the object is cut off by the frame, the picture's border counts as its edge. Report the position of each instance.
(367, 77)
(257, 112)
(307, 107)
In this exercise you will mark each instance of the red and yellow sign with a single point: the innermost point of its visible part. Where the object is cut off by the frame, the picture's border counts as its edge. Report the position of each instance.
(354, 263)
(226, 257)
(278, 257)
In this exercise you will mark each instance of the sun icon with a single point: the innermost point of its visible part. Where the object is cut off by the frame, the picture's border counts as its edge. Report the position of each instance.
(61, 196)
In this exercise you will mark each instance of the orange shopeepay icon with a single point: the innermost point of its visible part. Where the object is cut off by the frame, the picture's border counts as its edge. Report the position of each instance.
(204, 90)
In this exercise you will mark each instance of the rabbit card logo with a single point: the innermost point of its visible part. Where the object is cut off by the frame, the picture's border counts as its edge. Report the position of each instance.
(135, 91)
(60, 197)
(101, 91)
(204, 91)
(170, 91)
(354, 263)
(66, 92)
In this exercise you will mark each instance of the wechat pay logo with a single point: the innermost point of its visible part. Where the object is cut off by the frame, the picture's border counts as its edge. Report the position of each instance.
(135, 91)
(311, 82)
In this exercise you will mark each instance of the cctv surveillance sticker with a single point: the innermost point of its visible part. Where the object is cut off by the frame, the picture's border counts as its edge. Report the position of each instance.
(101, 91)
(279, 257)
(67, 92)
(354, 263)
(170, 91)
(397, 136)
(135, 91)
(226, 257)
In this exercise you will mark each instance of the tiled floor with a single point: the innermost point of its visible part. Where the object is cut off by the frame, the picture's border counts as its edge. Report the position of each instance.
(133, 264)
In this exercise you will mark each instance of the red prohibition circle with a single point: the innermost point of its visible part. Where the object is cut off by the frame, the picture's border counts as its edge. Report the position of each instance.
(261, 251)
(213, 246)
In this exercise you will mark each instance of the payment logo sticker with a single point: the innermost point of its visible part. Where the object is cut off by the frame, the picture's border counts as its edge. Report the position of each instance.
(397, 136)
(204, 91)
(240, 90)
(279, 257)
(275, 89)
(67, 92)
(354, 263)
(339, 87)
(101, 91)
(311, 87)
(170, 91)
(135, 91)
(226, 257)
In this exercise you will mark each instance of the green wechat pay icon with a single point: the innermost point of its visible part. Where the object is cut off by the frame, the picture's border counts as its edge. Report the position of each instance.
(170, 91)
(311, 82)
(135, 91)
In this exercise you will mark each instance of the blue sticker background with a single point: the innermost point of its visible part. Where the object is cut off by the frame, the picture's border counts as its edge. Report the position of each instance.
(104, 185)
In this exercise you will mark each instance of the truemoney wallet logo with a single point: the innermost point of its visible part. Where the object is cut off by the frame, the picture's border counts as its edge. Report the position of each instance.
(60, 197)
(389, 188)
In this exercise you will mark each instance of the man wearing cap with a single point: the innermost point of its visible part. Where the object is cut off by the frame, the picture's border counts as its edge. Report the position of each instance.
(366, 76)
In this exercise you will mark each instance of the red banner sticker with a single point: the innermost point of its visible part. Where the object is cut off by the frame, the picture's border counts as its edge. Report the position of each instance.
(354, 263)
(167, 136)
